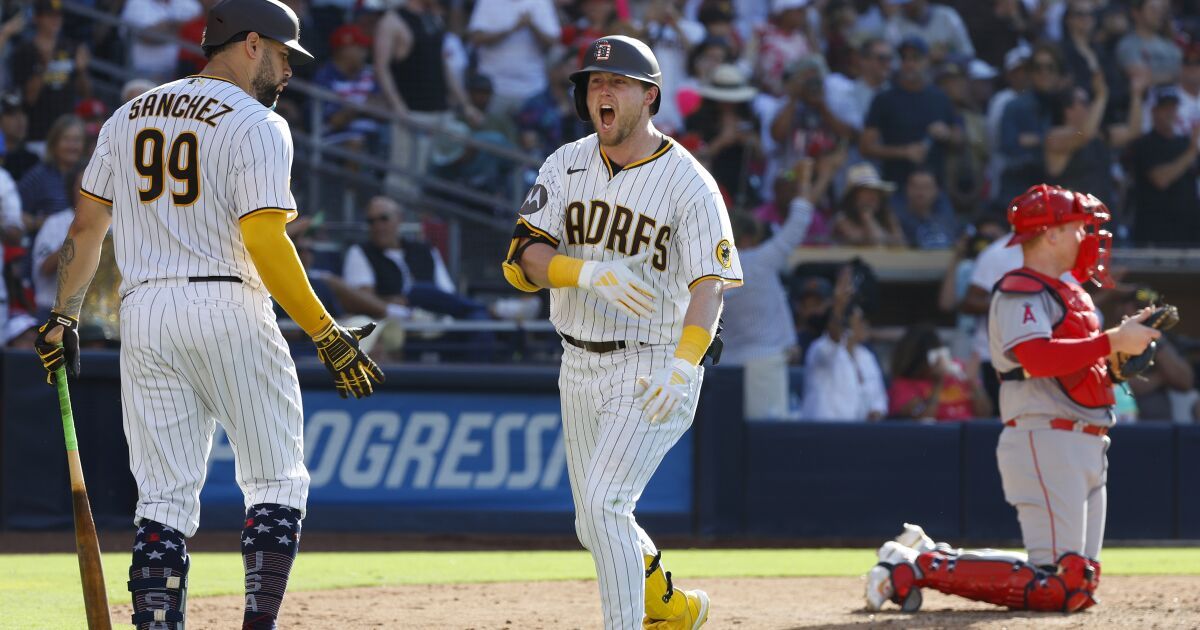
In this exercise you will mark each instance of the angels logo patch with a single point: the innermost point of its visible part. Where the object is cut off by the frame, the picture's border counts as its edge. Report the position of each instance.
(603, 50)
(725, 253)
(1028, 317)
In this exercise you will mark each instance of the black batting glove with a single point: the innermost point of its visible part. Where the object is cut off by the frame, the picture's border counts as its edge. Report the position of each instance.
(56, 355)
(351, 368)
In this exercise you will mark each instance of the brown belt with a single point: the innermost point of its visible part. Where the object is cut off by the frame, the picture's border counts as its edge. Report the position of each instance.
(599, 347)
(1062, 424)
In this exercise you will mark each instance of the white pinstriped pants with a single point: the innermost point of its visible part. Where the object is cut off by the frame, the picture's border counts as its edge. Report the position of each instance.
(197, 352)
(612, 451)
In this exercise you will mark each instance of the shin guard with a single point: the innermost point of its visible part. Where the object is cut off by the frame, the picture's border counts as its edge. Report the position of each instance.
(158, 577)
(1001, 579)
(270, 541)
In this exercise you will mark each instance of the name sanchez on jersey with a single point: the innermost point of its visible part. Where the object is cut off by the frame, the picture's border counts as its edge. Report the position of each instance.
(595, 222)
(205, 109)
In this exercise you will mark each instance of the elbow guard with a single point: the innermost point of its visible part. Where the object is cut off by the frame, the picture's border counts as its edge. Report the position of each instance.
(511, 266)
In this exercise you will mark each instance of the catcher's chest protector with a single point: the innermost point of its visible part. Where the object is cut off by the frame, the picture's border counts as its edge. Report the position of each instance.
(1090, 386)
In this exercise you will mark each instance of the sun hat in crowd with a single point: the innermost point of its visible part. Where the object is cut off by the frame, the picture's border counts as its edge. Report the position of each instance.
(864, 175)
(728, 84)
(1017, 57)
(980, 70)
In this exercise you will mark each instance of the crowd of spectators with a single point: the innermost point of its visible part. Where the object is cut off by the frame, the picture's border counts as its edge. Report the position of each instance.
(903, 124)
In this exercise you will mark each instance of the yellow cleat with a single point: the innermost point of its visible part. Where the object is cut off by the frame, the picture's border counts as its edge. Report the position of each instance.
(693, 616)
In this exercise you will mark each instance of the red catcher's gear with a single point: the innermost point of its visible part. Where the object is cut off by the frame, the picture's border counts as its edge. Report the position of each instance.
(1044, 206)
(1089, 386)
(1002, 579)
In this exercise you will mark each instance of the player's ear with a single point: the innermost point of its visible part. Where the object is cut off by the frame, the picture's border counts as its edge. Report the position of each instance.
(650, 95)
(254, 45)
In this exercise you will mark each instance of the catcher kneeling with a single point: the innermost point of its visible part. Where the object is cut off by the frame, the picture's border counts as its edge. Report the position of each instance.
(1057, 369)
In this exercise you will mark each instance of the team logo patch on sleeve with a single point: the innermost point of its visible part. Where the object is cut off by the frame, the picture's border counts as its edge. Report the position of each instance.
(535, 199)
(1028, 317)
(725, 253)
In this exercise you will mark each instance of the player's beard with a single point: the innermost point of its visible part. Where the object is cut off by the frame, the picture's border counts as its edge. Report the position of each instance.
(266, 88)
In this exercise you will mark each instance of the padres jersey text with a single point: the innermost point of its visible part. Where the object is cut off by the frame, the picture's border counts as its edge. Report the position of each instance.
(665, 204)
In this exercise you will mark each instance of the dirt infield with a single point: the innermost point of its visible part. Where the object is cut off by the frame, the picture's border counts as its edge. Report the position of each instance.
(744, 604)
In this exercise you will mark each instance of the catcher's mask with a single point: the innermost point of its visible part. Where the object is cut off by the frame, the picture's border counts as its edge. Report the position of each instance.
(1044, 206)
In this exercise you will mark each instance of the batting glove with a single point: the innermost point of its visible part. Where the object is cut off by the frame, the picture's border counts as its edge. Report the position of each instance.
(618, 285)
(666, 390)
(62, 354)
(351, 368)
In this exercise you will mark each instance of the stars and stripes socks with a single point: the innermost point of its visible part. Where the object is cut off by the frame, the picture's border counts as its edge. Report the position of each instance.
(158, 577)
(270, 541)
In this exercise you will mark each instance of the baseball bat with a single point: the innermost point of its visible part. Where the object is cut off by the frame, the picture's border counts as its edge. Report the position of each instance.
(87, 545)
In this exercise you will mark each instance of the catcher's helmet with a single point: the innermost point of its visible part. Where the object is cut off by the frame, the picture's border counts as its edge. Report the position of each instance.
(269, 18)
(619, 55)
(1044, 206)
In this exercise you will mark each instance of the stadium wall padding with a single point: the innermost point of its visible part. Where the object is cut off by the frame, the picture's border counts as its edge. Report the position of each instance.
(454, 449)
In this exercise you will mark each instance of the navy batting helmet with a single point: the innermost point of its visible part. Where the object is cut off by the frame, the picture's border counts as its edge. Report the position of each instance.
(619, 55)
(269, 18)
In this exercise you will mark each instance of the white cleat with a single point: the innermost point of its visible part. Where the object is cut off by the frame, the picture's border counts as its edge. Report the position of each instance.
(914, 537)
(879, 587)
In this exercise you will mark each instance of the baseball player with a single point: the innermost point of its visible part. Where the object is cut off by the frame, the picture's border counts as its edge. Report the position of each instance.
(193, 176)
(1056, 401)
(631, 236)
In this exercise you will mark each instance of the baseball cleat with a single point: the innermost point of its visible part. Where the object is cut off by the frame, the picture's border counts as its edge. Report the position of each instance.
(694, 615)
(879, 586)
(914, 537)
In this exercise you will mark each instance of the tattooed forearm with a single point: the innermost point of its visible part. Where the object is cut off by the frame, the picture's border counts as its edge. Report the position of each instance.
(64, 303)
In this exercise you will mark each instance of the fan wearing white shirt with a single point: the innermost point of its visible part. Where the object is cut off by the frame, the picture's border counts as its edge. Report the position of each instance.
(842, 378)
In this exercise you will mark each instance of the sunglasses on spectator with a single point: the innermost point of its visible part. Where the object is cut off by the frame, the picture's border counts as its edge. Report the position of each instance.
(374, 220)
(1045, 67)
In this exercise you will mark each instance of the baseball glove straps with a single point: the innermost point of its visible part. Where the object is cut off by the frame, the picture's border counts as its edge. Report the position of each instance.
(666, 390)
(1129, 365)
(59, 354)
(613, 280)
(352, 369)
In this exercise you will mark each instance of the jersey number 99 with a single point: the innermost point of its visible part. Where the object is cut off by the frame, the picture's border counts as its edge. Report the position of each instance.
(154, 163)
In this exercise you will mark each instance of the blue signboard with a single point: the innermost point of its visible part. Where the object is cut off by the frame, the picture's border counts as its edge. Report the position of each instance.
(475, 452)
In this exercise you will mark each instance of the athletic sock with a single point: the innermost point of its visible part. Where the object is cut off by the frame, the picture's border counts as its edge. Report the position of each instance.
(270, 541)
(159, 553)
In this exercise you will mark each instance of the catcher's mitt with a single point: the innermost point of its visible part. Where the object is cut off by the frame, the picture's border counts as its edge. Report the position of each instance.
(1163, 318)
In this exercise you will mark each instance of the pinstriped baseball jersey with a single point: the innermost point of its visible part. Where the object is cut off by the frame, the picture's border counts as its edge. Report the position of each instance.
(181, 164)
(666, 204)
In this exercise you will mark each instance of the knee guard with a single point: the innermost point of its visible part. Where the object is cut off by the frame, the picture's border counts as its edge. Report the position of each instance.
(158, 577)
(1001, 579)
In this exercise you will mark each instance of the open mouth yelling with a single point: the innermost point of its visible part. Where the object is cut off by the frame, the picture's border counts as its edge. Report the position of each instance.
(608, 117)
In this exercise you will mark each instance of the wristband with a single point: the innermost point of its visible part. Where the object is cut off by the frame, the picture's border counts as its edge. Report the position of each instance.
(693, 343)
(564, 271)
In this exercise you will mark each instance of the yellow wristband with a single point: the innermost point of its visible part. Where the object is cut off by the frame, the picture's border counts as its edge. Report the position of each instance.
(564, 271)
(693, 343)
